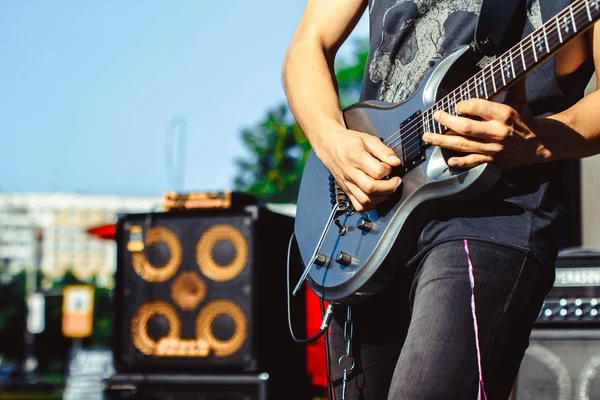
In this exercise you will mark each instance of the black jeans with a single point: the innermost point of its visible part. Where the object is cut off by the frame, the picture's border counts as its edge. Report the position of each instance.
(415, 338)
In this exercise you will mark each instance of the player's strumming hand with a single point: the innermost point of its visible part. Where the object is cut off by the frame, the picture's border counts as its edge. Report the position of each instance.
(502, 133)
(360, 164)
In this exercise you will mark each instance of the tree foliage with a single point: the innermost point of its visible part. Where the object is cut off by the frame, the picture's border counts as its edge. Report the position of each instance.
(278, 152)
(277, 146)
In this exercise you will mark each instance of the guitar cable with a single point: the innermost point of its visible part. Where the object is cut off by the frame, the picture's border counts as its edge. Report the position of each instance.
(326, 316)
(329, 379)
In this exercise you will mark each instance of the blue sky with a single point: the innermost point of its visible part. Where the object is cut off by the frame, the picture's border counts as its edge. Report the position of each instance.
(90, 91)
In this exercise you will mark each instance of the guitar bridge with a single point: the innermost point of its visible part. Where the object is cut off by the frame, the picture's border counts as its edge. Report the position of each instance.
(412, 151)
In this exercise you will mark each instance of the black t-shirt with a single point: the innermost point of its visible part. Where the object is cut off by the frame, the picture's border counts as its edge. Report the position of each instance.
(406, 38)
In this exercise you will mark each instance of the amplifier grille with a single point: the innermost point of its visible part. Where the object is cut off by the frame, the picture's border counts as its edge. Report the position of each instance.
(565, 367)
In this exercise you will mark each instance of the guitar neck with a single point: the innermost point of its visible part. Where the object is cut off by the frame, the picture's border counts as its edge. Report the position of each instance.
(521, 59)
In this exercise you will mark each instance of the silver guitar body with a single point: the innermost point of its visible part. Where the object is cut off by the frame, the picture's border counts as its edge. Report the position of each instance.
(376, 254)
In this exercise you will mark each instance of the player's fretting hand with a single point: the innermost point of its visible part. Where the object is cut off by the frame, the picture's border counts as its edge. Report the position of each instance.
(504, 133)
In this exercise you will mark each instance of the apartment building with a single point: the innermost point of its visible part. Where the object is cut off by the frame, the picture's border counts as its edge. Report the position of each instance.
(50, 230)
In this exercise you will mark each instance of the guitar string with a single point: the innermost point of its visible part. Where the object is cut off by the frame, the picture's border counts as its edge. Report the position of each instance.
(446, 101)
(508, 54)
(480, 78)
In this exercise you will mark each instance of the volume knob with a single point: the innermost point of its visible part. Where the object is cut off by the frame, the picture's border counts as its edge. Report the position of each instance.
(364, 225)
(321, 260)
(344, 259)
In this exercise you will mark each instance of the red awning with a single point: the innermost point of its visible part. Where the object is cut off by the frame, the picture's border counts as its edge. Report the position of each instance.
(103, 231)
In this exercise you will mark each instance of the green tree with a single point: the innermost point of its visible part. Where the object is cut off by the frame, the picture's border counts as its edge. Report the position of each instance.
(277, 145)
(350, 71)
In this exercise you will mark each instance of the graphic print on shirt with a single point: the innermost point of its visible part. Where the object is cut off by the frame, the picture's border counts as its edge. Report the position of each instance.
(416, 32)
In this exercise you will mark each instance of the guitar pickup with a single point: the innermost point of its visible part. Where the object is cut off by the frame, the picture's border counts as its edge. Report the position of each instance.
(412, 151)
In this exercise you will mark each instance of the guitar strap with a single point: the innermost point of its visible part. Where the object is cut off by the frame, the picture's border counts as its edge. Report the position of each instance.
(500, 25)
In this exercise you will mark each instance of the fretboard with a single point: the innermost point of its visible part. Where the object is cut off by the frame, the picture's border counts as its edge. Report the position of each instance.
(519, 60)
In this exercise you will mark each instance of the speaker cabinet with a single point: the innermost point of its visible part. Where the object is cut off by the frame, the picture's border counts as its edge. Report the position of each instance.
(205, 291)
(560, 364)
(187, 387)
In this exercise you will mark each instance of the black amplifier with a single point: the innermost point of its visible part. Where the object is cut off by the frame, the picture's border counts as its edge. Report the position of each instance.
(575, 296)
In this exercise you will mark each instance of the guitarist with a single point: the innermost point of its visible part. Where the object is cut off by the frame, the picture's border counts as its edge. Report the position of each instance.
(414, 339)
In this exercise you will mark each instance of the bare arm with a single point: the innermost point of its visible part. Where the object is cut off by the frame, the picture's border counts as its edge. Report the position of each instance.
(358, 161)
(578, 126)
(509, 135)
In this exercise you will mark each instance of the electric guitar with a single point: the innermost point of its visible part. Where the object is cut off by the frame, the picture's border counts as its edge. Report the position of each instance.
(345, 252)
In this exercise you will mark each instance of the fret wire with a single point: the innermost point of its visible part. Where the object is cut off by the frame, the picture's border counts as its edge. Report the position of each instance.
(493, 79)
(533, 48)
(545, 38)
(455, 101)
(522, 56)
(467, 90)
(481, 88)
(443, 107)
(581, 17)
(475, 94)
(445, 104)
(502, 72)
(518, 69)
(499, 71)
(512, 64)
(565, 23)
(573, 19)
(558, 29)
(587, 8)
(431, 121)
(483, 83)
